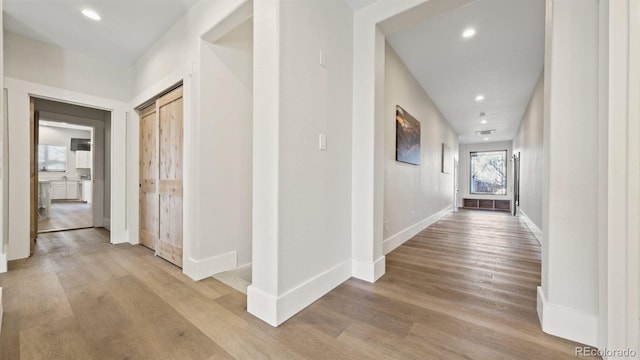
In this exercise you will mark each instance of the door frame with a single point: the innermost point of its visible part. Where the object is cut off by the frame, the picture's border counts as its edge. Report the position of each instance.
(19, 92)
(97, 197)
(192, 267)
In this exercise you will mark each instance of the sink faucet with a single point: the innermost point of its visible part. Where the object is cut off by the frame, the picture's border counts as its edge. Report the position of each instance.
(64, 177)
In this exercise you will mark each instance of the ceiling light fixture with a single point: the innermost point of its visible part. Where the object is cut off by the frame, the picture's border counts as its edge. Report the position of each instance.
(91, 14)
(486, 139)
(483, 121)
(467, 33)
(479, 97)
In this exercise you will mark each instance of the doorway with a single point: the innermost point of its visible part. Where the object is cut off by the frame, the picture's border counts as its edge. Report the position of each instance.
(70, 167)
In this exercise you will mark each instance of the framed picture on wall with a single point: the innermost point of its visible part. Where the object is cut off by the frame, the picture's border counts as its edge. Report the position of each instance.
(407, 137)
(447, 160)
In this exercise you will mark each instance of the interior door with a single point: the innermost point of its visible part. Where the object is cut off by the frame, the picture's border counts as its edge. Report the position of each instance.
(33, 176)
(170, 115)
(149, 211)
(516, 183)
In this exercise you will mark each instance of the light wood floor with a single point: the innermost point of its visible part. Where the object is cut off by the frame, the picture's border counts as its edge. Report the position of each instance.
(462, 289)
(67, 215)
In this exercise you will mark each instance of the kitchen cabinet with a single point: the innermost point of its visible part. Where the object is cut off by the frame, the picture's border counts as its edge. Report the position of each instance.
(65, 190)
(87, 192)
(73, 190)
(58, 190)
(83, 159)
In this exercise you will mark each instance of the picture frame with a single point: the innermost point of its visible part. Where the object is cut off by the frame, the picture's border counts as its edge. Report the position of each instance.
(408, 135)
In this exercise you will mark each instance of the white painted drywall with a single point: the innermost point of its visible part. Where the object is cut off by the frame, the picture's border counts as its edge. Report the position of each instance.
(464, 167)
(315, 185)
(572, 167)
(46, 64)
(302, 195)
(210, 111)
(4, 184)
(181, 43)
(413, 193)
(226, 93)
(528, 141)
(51, 135)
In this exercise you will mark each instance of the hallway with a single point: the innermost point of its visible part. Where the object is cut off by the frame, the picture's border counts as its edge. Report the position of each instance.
(463, 288)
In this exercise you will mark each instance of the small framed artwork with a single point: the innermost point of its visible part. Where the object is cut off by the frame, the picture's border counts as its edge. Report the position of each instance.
(407, 137)
(446, 159)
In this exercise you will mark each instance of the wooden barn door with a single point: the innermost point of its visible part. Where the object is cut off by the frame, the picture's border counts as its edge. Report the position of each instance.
(148, 177)
(161, 143)
(170, 114)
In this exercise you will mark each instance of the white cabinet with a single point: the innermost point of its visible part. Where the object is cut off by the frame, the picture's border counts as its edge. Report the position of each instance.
(87, 192)
(65, 190)
(73, 190)
(83, 159)
(58, 190)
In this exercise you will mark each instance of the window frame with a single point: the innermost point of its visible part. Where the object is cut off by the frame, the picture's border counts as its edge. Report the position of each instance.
(506, 172)
(46, 149)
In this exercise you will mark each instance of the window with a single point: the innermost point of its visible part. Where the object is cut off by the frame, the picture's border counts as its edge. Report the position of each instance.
(52, 158)
(489, 172)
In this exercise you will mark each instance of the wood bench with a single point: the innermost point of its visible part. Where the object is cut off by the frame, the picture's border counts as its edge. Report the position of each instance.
(487, 204)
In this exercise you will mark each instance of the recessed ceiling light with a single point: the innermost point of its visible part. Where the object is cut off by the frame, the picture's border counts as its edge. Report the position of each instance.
(479, 97)
(91, 14)
(483, 121)
(467, 33)
(486, 139)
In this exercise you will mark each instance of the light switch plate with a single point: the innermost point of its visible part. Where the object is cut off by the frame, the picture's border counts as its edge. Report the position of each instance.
(322, 142)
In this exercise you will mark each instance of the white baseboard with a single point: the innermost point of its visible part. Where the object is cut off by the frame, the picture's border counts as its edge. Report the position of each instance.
(398, 239)
(535, 230)
(567, 323)
(368, 271)
(274, 310)
(3, 263)
(106, 223)
(200, 269)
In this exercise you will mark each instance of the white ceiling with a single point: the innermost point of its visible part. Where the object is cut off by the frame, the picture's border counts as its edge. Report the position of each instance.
(127, 29)
(502, 62)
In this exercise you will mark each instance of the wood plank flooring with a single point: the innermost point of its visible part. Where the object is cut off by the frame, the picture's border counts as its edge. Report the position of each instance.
(67, 215)
(465, 288)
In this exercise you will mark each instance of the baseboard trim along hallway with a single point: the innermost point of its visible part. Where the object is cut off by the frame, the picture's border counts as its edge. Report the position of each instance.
(276, 310)
(400, 238)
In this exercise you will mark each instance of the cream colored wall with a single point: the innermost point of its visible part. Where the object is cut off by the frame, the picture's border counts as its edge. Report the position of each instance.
(528, 142)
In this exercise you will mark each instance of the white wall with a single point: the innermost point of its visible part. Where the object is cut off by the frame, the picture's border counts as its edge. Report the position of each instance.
(181, 43)
(528, 141)
(46, 64)
(4, 184)
(464, 166)
(311, 227)
(413, 194)
(226, 93)
(217, 131)
(51, 135)
(568, 297)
